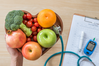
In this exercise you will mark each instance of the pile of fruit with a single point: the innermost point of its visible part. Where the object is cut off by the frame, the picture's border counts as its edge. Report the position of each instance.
(32, 23)
(30, 33)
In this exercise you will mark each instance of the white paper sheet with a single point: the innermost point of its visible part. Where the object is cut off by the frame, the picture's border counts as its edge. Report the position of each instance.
(91, 30)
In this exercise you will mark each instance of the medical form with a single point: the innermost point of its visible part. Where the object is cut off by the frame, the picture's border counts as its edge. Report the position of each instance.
(90, 27)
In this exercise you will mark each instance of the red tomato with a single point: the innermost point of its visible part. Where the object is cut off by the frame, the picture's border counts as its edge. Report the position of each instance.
(33, 28)
(30, 36)
(29, 16)
(25, 21)
(28, 39)
(31, 20)
(39, 29)
(36, 24)
(40, 26)
(35, 38)
(29, 24)
(34, 33)
(35, 20)
(24, 16)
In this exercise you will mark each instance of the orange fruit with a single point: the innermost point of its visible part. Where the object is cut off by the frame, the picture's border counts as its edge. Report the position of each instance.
(46, 18)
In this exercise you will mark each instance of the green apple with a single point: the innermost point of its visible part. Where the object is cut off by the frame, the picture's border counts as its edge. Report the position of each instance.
(46, 38)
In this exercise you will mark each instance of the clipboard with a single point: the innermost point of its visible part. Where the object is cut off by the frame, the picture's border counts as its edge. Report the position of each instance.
(81, 20)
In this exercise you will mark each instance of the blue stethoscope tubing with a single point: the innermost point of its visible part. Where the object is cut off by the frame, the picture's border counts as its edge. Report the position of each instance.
(62, 52)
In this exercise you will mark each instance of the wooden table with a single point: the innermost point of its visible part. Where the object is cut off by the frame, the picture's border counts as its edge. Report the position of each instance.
(64, 8)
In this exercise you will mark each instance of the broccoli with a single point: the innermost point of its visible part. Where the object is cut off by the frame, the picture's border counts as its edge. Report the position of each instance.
(14, 27)
(18, 20)
(19, 12)
(13, 20)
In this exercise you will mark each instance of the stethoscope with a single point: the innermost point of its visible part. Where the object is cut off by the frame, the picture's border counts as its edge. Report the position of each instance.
(62, 52)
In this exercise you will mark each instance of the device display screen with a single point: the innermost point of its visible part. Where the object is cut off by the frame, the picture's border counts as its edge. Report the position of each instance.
(91, 46)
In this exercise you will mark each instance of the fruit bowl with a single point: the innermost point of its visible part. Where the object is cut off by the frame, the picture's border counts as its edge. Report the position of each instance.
(58, 23)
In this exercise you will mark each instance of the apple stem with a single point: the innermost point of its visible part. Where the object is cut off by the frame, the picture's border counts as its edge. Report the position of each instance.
(30, 50)
(46, 36)
(9, 32)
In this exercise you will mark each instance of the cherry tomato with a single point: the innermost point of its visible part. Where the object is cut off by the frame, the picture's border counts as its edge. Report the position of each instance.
(24, 16)
(36, 24)
(29, 24)
(28, 39)
(35, 38)
(25, 21)
(39, 29)
(29, 16)
(31, 20)
(31, 36)
(34, 33)
(35, 20)
(33, 28)
(40, 26)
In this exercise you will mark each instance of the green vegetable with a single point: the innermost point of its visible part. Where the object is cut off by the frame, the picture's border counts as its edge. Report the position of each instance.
(13, 20)
(26, 30)
(19, 12)
(14, 27)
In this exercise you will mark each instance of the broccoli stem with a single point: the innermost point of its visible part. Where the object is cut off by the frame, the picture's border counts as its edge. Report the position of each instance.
(25, 29)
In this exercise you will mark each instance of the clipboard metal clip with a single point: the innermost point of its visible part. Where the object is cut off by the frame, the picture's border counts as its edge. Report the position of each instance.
(91, 20)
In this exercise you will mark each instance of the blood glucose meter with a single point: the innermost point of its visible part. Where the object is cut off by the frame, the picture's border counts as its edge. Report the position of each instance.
(90, 47)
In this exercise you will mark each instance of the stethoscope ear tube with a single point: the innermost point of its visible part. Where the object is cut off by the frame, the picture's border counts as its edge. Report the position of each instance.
(62, 52)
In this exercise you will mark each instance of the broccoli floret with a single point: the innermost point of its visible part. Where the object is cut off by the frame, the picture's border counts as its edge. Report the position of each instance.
(14, 27)
(19, 12)
(9, 21)
(14, 19)
(11, 14)
(7, 26)
(18, 19)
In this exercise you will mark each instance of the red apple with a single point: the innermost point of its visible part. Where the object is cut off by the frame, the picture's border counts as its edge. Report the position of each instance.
(31, 50)
(16, 39)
